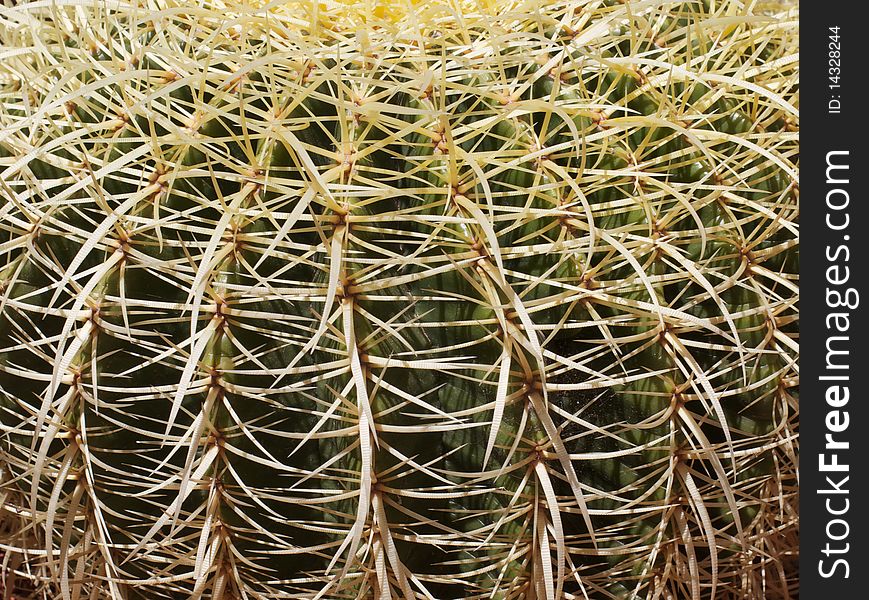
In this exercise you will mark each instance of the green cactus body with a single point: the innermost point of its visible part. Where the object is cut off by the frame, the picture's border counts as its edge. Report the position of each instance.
(475, 302)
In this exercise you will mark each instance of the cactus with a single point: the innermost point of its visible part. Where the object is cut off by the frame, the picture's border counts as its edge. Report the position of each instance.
(399, 299)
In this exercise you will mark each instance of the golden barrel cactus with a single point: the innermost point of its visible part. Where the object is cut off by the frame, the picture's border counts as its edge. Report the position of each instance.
(449, 299)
